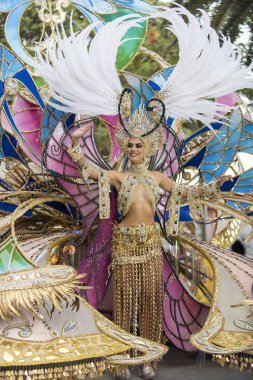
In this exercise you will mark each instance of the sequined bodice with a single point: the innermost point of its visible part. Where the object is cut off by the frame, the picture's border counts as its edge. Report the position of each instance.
(129, 186)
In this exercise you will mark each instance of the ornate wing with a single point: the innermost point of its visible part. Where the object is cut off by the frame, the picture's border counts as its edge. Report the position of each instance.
(34, 210)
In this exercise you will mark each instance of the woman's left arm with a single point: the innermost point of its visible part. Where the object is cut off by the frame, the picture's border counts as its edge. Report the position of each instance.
(166, 184)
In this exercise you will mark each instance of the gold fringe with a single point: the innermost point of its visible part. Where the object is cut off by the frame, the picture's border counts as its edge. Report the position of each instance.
(11, 301)
(83, 369)
(137, 280)
(242, 361)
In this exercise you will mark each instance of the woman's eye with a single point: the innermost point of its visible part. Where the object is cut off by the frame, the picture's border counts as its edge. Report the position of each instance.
(138, 146)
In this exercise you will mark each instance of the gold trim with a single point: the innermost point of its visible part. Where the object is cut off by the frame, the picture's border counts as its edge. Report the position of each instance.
(152, 351)
(29, 287)
(214, 324)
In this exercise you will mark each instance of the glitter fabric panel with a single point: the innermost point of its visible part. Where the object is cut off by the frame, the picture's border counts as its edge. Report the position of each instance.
(137, 280)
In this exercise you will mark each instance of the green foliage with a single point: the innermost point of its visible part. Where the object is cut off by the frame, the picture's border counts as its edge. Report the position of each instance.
(102, 139)
(2, 35)
(32, 29)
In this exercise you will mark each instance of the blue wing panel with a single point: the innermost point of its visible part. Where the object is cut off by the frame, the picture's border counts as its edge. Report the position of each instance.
(51, 117)
(197, 159)
(25, 78)
(222, 148)
(136, 5)
(10, 208)
(245, 182)
(9, 145)
(11, 67)
(12, 30)
(90, 16)
(158, 80)
(8, 5)
(142, 91)
(247, 139)
(98, 6)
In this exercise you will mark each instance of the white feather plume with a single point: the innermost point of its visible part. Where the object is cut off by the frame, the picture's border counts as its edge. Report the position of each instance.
(208, 67)
(81, 71)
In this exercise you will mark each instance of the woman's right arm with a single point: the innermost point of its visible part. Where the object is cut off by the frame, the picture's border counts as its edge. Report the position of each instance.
(89, 171)
(75, 152)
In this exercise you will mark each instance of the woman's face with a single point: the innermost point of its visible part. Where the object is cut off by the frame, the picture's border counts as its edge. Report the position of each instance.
(135, 150)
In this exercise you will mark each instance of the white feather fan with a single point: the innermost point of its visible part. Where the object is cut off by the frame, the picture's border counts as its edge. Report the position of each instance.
(81, 71)
(208, 67)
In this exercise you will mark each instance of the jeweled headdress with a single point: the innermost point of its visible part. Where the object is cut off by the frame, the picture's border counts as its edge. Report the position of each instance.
(145, 123)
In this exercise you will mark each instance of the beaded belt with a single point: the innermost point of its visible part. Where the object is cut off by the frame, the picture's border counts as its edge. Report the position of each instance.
(136, 259)
(140, 233)
(136, 244)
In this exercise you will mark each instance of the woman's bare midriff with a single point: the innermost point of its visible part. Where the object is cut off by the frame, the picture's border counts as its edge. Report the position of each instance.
(138, 213)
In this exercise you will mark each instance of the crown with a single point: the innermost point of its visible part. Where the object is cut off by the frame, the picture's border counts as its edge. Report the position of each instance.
(145, 123)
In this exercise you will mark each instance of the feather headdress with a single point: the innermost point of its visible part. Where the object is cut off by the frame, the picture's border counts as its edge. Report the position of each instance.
(208, 67)
(81, 71)
(82, 75)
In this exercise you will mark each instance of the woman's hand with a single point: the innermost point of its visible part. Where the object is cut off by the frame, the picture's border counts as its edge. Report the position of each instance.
(80, 132)
(223, 179)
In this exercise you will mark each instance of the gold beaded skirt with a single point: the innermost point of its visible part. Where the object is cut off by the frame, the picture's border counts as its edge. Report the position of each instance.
(137, 268)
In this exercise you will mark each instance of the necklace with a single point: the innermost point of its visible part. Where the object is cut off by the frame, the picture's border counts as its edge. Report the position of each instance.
(138, 168)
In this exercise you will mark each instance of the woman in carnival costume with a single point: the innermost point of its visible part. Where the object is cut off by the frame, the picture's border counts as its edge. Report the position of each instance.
(47, 331)
(188, 93)
(84, 82)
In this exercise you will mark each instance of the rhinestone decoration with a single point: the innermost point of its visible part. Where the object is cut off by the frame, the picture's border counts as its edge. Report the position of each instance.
(11, 86)
(69, 326)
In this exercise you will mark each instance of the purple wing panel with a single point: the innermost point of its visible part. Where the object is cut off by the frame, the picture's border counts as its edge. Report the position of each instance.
(97, 259)
(65, 169)
(238, 265)
(183, 316)
(57, 159)
(27, 117)
(167, 158)
(229, 99)
(96, 252)
(86, 198)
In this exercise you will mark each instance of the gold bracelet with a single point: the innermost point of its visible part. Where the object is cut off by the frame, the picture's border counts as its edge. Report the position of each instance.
(210, 190)
(174, 209)
(75, 152)
(86, 172)
(104, 194)
(194, 201)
